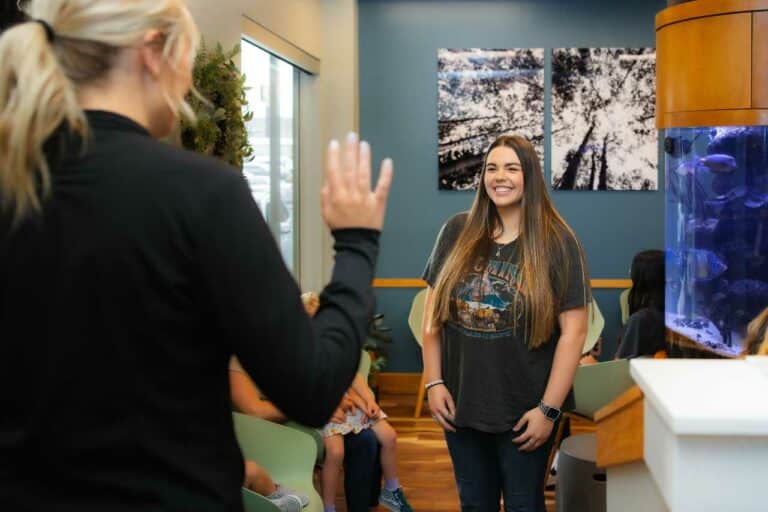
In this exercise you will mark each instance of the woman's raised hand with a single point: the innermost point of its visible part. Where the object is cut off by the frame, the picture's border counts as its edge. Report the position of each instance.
(346, 198)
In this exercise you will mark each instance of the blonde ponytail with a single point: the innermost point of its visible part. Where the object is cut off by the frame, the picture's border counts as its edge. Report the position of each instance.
(40, 78)
(36, 98)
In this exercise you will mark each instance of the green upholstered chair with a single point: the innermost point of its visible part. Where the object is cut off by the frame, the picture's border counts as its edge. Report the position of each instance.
(415, 318)
(288, 455)
(624, 305)
(596, 324)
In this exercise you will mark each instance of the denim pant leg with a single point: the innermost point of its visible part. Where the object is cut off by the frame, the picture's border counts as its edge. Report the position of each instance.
(476, 468)
(523, 473)
(361, 468)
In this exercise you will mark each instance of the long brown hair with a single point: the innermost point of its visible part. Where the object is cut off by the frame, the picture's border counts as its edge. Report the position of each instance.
(544, 255)
(757, 335)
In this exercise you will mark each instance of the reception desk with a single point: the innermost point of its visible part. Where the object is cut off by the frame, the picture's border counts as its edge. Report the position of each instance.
(693, 436)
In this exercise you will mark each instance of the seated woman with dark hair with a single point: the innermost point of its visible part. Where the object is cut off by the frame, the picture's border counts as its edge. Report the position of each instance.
(644, 331)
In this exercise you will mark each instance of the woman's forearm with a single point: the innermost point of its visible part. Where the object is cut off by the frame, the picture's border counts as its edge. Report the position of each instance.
(360, 388)
(569, 346)
(430, 347)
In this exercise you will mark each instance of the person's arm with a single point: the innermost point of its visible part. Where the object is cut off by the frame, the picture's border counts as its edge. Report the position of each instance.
(361, 389)
(247, 399)
(363, 397)
(573, 331)
(440, 400)
(303, 366)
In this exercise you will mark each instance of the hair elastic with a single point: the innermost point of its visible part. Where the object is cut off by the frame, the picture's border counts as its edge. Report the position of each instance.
(49, 33)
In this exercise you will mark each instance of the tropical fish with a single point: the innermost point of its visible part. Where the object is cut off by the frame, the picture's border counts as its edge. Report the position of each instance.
(719, 163)
(718, 203)
(701, 228)
(690, 168)
(695, 264)
(756, 200)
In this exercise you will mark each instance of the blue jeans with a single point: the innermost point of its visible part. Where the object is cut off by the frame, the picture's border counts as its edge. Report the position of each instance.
(487, 465)
(362, 471)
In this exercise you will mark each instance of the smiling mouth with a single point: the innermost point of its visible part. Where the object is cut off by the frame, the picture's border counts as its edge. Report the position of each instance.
(502, 190)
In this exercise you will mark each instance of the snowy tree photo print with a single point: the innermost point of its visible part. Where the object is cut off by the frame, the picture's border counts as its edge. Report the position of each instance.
(484, 93)
(603, 113)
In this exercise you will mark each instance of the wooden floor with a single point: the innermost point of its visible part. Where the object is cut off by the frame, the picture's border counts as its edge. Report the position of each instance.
(425, 469)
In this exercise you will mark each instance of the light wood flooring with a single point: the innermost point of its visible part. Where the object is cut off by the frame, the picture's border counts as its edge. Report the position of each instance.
(425, 469)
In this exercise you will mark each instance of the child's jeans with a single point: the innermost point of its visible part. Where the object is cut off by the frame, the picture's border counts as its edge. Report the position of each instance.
(487, 465)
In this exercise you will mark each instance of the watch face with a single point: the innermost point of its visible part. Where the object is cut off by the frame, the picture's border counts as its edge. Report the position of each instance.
(553, 413)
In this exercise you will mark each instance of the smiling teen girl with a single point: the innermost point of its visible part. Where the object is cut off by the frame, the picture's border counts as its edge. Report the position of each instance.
(505, 321)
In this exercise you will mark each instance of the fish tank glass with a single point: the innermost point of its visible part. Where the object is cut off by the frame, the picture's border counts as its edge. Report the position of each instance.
(716, 234)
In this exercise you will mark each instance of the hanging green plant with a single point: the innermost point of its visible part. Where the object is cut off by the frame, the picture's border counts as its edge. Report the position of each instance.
(220, 129)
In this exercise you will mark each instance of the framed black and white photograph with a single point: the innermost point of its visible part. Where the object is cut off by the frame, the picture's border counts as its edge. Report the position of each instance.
(484, 93)
(603, 115)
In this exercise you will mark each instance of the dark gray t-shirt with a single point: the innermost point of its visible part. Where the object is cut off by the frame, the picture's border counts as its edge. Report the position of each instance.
(644, 334)
(492, 374)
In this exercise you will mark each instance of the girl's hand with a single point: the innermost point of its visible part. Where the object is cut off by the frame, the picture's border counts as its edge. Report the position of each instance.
(339, 416)
(347, 405)
(442, 407)
(372, 409)
(537, 432)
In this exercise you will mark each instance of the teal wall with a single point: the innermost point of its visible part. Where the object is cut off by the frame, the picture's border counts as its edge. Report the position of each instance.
(398, 115)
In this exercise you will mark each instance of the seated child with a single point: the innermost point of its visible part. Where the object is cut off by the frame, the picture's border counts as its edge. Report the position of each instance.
(365, 414)
(258, 480)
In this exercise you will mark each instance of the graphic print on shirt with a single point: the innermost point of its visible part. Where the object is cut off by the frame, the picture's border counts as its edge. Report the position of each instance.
(484, 300)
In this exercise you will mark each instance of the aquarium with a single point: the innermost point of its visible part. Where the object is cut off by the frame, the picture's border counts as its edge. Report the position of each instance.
(716, 233)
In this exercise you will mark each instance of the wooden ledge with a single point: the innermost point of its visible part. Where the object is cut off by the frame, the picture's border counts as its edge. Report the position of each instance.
(620, 430)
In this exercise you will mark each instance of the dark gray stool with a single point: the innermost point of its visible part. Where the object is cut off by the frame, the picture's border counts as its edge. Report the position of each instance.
(580, 483)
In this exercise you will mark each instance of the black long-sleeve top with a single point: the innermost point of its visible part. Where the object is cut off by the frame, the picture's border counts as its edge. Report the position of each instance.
(119, 309)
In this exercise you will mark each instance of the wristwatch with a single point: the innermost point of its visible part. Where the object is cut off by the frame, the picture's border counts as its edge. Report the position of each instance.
(551, 413)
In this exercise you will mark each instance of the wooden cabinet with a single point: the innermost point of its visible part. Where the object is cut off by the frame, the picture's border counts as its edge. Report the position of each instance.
(712, 64)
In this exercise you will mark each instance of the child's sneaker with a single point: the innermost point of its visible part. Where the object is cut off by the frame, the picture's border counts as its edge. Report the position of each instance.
(286, 502)
(394, 501)
(284, 491)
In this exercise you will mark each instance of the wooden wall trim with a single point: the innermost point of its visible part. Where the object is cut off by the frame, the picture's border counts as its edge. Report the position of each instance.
(398, 383)
(399, 282)
(736, 117)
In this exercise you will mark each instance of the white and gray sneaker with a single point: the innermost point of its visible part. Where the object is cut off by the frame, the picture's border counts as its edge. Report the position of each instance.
(284, 491)
(286, 502)
(394, 501)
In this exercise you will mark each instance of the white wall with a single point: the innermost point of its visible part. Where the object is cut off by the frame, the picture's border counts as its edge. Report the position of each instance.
(327, 30)
(297, 21)
(338, 80)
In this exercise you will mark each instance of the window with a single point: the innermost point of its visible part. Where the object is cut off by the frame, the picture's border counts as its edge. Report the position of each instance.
(272, 173)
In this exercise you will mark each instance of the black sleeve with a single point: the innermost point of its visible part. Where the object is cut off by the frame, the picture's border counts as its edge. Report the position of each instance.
(443, 245)
(643, 335)
(576, 291)
(630, 345)
(304, 366)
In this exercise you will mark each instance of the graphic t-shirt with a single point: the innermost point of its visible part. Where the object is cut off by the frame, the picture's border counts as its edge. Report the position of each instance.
(492, 374)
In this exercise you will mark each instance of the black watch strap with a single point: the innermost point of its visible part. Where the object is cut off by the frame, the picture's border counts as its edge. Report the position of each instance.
(551, 413)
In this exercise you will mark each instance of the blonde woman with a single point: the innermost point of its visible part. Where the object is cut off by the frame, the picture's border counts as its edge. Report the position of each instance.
(130, 272)
(504, 328)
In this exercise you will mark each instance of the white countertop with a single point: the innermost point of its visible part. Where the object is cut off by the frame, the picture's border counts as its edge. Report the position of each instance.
(707, 397)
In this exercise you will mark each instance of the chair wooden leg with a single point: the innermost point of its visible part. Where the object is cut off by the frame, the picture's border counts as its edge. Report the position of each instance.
(419, 397)
(555, 446)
